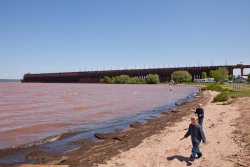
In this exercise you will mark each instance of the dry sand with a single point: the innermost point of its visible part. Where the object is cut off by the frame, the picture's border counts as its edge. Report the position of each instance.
(166, 149)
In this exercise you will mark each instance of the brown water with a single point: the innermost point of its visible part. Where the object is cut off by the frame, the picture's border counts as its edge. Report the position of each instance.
(33, 111)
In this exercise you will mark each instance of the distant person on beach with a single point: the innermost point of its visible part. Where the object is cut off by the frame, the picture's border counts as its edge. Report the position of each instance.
(170, 88)
(200, 113)
(197, 135)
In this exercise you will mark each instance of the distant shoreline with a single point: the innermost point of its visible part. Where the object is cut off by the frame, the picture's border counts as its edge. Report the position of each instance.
(10, 80)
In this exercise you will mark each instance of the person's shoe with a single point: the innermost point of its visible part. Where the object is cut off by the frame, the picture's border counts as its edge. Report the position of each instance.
(191, 161)
(199, 155)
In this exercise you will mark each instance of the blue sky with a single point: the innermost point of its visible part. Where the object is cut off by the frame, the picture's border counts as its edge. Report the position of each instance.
(69, 35)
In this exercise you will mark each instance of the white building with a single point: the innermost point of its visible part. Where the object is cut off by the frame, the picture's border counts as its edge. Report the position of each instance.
(206, 80)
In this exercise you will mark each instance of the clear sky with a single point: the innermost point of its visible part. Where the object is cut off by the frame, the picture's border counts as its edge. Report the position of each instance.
(69, 35)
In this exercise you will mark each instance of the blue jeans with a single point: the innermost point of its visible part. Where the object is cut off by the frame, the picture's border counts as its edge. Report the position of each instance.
(200, 121)
(195, 149)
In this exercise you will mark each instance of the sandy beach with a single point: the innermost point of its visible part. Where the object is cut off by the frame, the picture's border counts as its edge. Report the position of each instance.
(224, 147)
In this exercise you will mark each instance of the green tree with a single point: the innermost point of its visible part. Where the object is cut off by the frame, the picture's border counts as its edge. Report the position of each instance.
(211, 74)
(203, 75)
(122, 79)
(231, 77)
(131, 80)
(181, 76)
(248, 77)
(107, 79)
(140, 80)
(135, 80)
(125, 79)
(221, 74)
(152, 79)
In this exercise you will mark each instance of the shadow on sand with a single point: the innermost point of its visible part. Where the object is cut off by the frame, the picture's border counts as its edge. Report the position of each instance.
(180, 158)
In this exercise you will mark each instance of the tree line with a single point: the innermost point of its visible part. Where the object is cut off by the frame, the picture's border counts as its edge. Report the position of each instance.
(126, 79)
(219, 75)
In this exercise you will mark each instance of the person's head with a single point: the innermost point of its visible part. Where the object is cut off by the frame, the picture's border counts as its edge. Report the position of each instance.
(194, 121)
(200, 105)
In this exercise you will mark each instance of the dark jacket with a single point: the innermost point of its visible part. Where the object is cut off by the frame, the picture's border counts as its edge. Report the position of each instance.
(200, 113)
(196, 133)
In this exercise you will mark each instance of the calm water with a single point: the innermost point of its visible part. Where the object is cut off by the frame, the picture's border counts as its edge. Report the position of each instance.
(33, 111)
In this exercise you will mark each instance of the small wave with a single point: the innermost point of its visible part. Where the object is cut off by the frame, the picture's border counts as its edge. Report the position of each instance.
(40, 142)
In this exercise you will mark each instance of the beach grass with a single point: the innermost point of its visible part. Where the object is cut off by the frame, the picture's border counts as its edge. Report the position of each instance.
(242, 91)
(223, 96)
(226, 90)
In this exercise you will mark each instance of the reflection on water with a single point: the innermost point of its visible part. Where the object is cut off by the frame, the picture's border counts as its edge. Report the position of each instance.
(33, 111)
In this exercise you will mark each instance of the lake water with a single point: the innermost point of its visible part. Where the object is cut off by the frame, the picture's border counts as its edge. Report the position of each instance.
(33, 111)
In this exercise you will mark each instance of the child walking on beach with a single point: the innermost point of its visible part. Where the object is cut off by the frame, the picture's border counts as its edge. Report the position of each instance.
(197, 135)
(200, 113)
